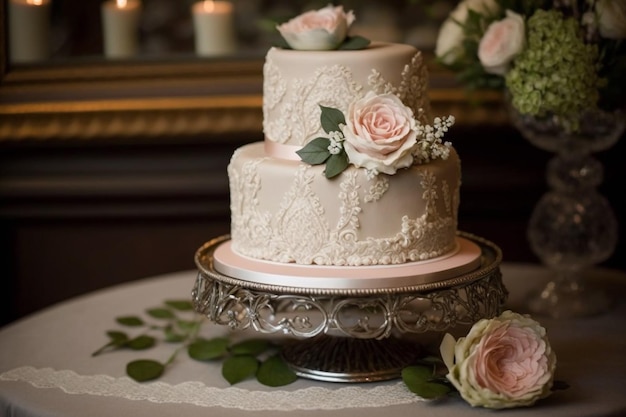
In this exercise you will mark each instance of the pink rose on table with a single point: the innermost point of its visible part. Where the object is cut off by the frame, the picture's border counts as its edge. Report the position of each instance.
(317, 30)
(380, 133)
(501, 43)
(502, 363)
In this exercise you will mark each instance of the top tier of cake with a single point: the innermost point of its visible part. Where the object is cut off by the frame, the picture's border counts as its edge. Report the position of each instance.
(296, 83)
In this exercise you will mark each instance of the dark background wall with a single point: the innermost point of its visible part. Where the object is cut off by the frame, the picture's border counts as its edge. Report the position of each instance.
(80, 215)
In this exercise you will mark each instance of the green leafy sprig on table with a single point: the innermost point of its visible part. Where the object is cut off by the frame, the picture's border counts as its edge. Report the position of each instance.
(240, 361)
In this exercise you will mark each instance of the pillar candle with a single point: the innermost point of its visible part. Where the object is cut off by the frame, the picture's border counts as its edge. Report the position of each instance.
(120, 21)
(29, 30)
(213, 26)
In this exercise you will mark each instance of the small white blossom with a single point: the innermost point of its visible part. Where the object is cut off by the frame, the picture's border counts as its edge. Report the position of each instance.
(335, 146)
(371, 174)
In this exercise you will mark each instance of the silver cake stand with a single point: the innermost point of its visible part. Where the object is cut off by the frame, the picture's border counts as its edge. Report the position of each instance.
(348, 334)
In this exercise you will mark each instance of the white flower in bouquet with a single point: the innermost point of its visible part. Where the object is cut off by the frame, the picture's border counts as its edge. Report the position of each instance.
(449, 46)
(612, 18)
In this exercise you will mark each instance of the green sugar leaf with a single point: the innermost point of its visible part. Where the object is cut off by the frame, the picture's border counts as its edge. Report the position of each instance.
(144, 370)
(133, 321)
(315, 152)
(181, 305)
(188, 325)
(336, 164)
(251, 347)
(353, 43)
(161, 313)
(238, 368)
(419, 380)
(206, 350)
(274, 372)
(141, 342)
(331, 118)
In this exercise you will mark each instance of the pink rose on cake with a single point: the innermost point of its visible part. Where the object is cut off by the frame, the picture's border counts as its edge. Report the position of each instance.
(503, 362)
(501, 43)
(380, 133)
(317, 30)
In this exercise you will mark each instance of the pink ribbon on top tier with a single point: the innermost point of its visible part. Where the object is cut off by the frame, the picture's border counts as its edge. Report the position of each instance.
(282, 151)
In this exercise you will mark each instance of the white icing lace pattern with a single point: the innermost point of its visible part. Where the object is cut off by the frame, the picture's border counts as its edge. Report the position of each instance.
(198, 394)
(299, 232)
(297, 120)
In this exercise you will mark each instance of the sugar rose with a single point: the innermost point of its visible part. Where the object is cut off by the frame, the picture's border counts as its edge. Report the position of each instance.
(380, 133)
(612, 18)
(502, 363)
(322, 29)
(501, 43)
(449, 46)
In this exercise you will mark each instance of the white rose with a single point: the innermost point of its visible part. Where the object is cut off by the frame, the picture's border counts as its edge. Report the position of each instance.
(449, 46)
(612, 18)
(380, 133)
(317, 30)
(501, 43)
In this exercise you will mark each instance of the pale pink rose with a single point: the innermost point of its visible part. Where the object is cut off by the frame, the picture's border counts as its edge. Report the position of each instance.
(380, 133)
(502, 363)
(501, 43)
(322, 29)
(611, 18)
(449, 45)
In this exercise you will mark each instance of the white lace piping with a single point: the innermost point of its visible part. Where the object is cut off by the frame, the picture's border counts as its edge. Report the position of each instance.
(197, 393)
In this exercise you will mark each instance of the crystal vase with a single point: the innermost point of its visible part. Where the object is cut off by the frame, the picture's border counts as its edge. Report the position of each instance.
(572, 227)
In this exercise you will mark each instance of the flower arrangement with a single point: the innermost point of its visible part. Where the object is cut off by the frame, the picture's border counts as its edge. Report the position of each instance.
(556, 58)
(380, 135)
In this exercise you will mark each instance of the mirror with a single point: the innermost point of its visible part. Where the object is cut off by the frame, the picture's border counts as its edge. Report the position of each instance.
(166, 89)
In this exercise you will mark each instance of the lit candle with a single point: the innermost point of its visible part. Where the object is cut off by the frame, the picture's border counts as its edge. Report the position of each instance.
(29, 30)
(120, 20)
(213, 25)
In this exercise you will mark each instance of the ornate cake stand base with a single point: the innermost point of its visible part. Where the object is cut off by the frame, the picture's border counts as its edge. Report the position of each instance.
(351, 334)
(344, 359)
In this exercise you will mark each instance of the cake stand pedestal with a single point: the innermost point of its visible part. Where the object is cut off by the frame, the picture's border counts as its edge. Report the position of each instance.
(350, 334)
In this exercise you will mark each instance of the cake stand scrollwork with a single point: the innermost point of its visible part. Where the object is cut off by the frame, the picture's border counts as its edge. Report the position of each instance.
(350, 335)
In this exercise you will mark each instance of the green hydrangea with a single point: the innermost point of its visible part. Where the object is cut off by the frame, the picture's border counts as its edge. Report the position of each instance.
(557, 72)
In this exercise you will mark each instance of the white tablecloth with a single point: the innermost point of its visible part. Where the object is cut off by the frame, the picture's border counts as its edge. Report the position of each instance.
(46, 367)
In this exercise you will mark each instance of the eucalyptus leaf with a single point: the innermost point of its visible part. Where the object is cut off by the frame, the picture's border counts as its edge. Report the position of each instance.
(144, 370)
(331, 118)
(188, 325)
(206, 350)
(132, 321)
(141, 342)
(117, 337)
(336, 164)
(161, 313)
(238, 368)
(419, 380)
(252, 347)
(354, 43)
(315, 152)
(172, 337)
(180, 305)
(274, 372)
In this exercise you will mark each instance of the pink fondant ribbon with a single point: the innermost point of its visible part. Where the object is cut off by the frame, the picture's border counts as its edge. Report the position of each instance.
(282, 151)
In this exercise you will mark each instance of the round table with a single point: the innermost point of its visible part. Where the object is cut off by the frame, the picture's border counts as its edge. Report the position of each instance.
(46, 367)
